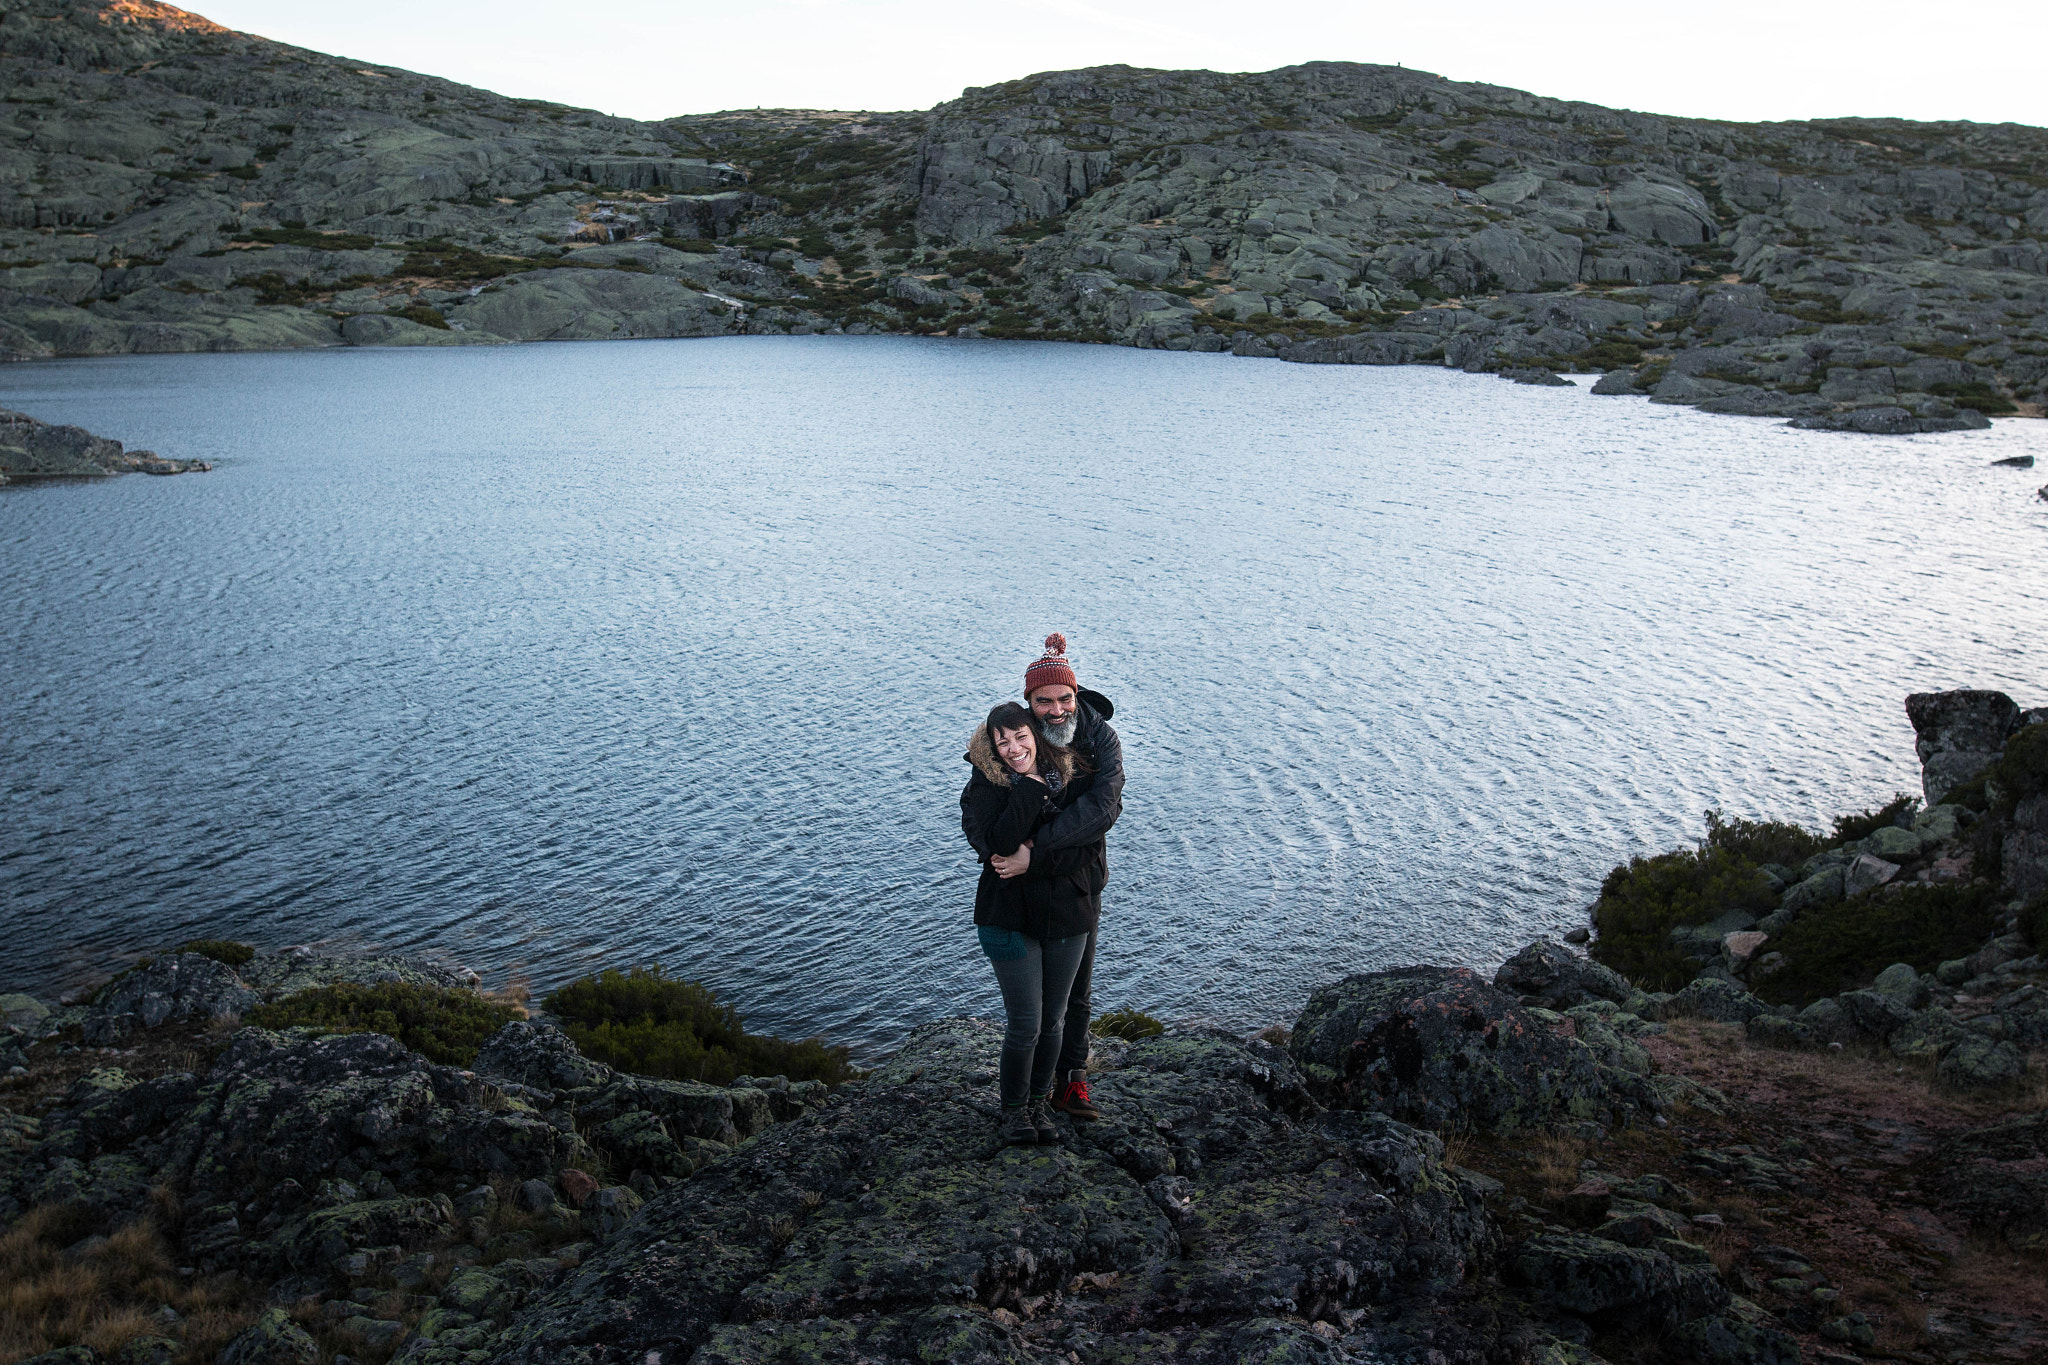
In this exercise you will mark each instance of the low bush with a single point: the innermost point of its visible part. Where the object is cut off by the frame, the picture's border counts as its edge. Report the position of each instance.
(442, 1025)
(303, 236)
(439, 260)
(1981, 396)
(1839, 947)
(1863, 824)
(1615, 355)
(1763, 841)
(1127, 1023)
(652, 1024)
(2022, 771)
(221, 950)
(1642, 901)
(422, 314)
(700, 245)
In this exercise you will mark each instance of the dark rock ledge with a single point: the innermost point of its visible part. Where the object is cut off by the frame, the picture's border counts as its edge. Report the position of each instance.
(1304, 1195)
(1242, 1200)
(30, 449)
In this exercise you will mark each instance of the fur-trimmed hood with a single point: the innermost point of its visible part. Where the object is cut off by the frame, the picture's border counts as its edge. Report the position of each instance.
(981, 752)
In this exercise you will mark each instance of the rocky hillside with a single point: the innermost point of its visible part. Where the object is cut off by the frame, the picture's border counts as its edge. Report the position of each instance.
(171, 185)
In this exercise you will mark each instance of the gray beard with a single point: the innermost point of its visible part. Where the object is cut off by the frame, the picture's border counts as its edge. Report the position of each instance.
(1063, 733)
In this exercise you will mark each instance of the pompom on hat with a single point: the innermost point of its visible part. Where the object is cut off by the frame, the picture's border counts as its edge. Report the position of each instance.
(1052, 668)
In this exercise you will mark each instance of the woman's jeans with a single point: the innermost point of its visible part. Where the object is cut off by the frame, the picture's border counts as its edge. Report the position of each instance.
(1035, 983)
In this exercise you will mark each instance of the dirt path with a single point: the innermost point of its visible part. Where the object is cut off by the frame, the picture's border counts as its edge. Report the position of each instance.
(1820, 1169)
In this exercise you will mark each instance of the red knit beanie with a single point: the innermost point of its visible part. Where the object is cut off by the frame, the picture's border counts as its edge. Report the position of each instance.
(1052, 668)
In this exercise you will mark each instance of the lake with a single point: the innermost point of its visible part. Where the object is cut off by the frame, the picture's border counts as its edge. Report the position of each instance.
(553, 657)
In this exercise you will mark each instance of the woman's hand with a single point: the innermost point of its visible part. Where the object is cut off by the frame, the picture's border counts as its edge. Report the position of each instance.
(1015, 865)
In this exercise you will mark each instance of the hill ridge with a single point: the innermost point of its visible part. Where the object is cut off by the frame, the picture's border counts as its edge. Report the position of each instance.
(173, 185)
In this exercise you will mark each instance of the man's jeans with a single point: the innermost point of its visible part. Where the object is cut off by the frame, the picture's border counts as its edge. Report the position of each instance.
(1074, 1045)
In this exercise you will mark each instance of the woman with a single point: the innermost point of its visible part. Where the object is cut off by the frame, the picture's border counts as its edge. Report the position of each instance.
(1033, 928)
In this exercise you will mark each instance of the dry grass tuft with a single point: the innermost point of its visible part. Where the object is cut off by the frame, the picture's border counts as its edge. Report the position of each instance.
(1457, 1147)
(113, 1328)
(55, 1292)
(517, 992)
(1554, 1160)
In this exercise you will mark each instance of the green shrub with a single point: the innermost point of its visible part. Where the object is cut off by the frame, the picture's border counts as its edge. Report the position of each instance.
(302, 236)
(1036, 231)
(225, 951)
(700, 245)
(1863, 824)
(442, 1025)
(1616, 355)
(1128, 1023)
(1981, 396)
(2021, 772)
(651, 1024)
(1642, 901)
(422, 314)
(1833, 948)
(1763, 841)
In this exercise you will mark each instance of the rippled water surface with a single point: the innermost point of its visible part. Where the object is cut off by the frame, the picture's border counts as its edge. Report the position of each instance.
(552, 657)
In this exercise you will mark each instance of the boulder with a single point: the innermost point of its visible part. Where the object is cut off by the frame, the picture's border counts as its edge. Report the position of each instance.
(1867, 873)
(1980, 1063)
(324, 1236)
(1636, 1224)
(1927, 1035)
(273, 1339)
(1735, 1339)
(609, 1212)
(1547, 973)
(1607, 1281)
(24, 1012)
(1824, 887)
(539, 1055)
(1901, 983)
(1996, 1179)
(1870, 1014)
(1958, 735)
(1438, 1047)
(1741, 946)
(177, 987)
(1893, 842)
(1708, 998)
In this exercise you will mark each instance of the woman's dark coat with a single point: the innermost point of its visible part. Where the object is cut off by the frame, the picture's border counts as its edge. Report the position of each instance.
(1061, 894)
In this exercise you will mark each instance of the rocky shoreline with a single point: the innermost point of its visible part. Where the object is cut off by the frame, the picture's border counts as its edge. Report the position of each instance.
(1551, 1165)
(30, 449)
(176, 186)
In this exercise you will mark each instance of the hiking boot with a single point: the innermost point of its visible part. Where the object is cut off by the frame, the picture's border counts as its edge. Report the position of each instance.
(1070, 1097)
(1041, 1119)
(1016, 1128)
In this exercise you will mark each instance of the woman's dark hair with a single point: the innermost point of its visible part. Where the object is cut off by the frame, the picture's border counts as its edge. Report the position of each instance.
(1012, 715)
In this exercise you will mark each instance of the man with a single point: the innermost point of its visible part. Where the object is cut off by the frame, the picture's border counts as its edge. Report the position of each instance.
(1078, 718)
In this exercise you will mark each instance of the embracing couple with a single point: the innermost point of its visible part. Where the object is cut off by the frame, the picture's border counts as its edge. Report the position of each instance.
(1048, 783)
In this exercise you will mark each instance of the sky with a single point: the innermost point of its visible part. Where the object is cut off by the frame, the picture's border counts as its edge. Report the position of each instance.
(1743, 60)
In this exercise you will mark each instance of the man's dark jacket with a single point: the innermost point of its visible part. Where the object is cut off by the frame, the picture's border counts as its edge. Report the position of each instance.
(1061, 894)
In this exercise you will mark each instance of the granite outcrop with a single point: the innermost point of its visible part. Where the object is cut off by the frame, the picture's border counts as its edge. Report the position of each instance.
(32, 449)
(174, 185)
